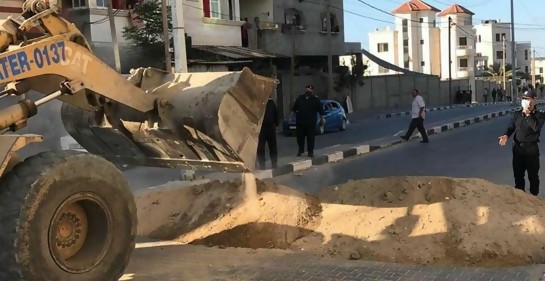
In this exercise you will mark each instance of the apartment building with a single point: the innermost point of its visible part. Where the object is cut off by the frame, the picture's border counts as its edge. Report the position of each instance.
(413, 45)
(384, 45)
(490, 41)
(419, 37)
(463, 52)
(539, 70)
(523, 52)
(212, 29)
(490, 36)
(290, 27)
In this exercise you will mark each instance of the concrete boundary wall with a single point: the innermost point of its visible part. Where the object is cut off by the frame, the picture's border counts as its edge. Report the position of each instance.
(387, 91)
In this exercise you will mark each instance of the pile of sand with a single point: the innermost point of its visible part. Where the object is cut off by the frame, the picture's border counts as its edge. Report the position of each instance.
(424, 220)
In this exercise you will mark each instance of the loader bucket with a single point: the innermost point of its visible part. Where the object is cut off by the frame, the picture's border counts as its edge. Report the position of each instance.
(209, 121)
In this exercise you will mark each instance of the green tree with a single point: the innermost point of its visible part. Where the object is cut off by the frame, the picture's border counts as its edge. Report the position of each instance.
(495, 73)
(148, 35)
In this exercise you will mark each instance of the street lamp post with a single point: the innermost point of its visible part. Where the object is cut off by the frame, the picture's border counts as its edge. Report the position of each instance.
(513, 58)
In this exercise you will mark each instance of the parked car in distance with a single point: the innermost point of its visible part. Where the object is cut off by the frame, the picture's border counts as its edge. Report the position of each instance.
(335, 119)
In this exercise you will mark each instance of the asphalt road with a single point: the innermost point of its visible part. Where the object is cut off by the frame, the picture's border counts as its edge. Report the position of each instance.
(369, 129)
(358, 132)
(470, 152)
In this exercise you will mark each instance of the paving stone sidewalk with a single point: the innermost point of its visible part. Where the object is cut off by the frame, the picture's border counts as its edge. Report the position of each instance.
(188, 263)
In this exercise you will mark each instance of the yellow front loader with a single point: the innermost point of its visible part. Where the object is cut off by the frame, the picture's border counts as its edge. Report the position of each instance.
(71, 216)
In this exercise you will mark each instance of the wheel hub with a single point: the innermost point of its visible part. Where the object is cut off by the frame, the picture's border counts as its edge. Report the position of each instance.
(71, 231)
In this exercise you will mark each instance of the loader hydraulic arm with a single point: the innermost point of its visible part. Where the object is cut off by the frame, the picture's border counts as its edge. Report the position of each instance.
(63, 52)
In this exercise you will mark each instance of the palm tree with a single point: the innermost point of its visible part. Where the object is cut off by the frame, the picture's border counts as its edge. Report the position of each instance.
(495, 73)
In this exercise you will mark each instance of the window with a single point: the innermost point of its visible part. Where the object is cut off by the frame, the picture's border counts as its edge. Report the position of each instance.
(215, 9)
(382, 70)
(333, 20)
(499, 55)
(406, 64)
(526, 69)
(422, 63)
(421, 20)
(479, 38)
(334, 105)
(102, 3)
(406, 43)
(463, 62)
(382, 47)
(541, 70)
(293, 17)
(327, 107)
(503, 36)
(462, 41)
(405, 25)
(498, 38)
(421, 41)
(526, 54)
(78, 3)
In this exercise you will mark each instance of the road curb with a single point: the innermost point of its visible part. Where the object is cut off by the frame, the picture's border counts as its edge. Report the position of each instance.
(362, 149)
(439, 108)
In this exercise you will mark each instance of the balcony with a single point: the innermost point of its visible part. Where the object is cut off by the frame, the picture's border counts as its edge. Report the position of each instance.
(462, 72)
(462, 51)
(480, 57)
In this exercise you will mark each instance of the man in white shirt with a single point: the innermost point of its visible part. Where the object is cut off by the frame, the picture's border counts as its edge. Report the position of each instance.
(418, 114)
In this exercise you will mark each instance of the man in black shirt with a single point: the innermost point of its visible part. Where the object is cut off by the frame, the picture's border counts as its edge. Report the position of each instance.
(526, 124)
(306, 109)
(268, 135)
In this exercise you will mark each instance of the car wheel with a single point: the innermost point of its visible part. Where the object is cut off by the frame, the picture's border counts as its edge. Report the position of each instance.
(343, 125)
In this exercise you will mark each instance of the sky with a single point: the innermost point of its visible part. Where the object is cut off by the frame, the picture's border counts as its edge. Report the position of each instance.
(529, 17)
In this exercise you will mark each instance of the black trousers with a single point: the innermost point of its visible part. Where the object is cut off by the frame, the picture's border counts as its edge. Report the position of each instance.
(307, 131)
(267, 136)
(526, 159)
(417, 123)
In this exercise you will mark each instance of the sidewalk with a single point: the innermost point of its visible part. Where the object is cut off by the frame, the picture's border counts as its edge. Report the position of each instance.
(175, 262)
(405, 113)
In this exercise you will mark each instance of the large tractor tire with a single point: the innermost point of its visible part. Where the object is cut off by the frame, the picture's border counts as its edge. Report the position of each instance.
(66, 216)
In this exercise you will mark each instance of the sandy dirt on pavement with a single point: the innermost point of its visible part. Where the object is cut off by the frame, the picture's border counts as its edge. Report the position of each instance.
(418, 220)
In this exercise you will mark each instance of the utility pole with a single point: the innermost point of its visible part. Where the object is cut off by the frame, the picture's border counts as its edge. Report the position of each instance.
(292, 73)
(178, 36)
(113, 32)
(329, 51)
(533, 68)
(166, 36)
(504, 57)
(449, 63)
(513, 58)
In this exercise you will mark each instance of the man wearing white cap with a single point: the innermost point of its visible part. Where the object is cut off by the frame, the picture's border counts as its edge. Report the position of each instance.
(526, 124)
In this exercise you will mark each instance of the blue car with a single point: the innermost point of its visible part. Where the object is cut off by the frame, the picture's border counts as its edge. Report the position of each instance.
(335, 119)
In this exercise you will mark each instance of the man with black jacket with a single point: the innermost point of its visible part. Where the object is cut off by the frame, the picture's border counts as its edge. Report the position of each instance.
(306, 109)
(526, 124)
(268, 135)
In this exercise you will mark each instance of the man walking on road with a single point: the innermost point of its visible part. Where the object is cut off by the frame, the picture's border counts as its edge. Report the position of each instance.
(268, 135)
(526, 124)
(306, 108)
(418, 114)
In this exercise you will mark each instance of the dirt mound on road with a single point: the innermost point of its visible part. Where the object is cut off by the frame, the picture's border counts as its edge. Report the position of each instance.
(424, 220)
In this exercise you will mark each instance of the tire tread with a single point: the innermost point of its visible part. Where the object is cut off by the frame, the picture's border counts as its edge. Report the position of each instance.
(15, 187)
